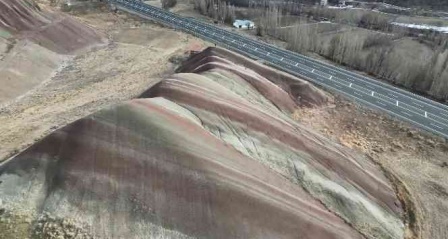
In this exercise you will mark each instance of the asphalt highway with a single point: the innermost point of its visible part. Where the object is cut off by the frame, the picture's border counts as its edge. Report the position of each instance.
(422, 112)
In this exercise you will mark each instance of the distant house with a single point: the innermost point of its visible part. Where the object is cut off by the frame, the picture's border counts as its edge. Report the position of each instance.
(244, 24)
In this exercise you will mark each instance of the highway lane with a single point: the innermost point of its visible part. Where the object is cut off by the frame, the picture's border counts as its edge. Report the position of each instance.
(408, 99)
(396, 93)
(420, 111)
(387, 91)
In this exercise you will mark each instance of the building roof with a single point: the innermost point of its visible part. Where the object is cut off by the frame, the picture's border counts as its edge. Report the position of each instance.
(243, 22)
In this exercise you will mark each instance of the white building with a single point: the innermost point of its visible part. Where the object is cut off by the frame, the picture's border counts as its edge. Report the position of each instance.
(244, 24)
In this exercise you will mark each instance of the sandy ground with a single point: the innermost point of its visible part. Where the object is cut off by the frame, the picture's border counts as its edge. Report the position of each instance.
(35, 42)
(26, 66)
(137, 57)
(418, 159)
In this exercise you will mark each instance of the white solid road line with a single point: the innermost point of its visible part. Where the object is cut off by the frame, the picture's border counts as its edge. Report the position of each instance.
(380, 103)
(384, 109)
(417, 104)
(410, 106)
(419, 113)
(356, 93)
(437, 126)
(405, 113)
(318, 74)
(369, 87)
(392, 94)
(366, 80)
(343, 71)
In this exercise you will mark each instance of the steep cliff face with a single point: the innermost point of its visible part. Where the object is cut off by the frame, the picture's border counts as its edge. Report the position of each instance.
(210, 152)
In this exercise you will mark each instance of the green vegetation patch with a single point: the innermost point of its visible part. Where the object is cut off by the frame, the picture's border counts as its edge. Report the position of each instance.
(5, 34)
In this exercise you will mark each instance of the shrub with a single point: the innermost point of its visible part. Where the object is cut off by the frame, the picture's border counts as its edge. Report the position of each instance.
(166, 4)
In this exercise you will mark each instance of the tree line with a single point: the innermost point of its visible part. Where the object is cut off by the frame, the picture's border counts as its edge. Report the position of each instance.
(376, 55)
(216, 9)
(373, 53)
(434, 4)
(166, 4)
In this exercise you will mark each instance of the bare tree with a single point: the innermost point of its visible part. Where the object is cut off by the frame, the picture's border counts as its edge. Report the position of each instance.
(216, 9)
(260, 30)
(166, 4)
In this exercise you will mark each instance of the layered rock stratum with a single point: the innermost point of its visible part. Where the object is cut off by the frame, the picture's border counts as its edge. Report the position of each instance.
(35, 42)
(55, 31)
(209, 152)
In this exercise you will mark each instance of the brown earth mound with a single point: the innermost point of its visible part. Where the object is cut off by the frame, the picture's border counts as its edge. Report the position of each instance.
(304, 93)
(144, 163)
(34, 44)
(208, 154)
(55, 31)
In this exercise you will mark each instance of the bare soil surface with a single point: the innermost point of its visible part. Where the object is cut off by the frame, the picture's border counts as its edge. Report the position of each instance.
(210, 152)
(417, 159)
(137, 57)
(35, 42)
